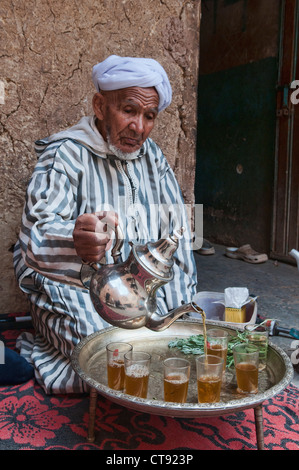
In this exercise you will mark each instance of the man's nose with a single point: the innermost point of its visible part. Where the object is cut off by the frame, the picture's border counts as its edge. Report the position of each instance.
(137, 124)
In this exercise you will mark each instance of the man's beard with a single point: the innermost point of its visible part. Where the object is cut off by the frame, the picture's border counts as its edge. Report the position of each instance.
(119, 153)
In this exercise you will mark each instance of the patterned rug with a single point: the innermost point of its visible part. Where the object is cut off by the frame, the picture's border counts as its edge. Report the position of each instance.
(32, 420)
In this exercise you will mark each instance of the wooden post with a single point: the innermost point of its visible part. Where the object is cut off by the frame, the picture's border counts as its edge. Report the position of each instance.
(92, 414)
(259, 427)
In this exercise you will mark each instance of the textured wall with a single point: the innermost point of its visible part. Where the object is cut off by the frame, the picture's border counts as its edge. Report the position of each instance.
(48, 48)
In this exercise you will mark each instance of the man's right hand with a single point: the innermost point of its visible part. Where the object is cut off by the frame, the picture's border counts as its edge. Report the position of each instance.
(93, 235)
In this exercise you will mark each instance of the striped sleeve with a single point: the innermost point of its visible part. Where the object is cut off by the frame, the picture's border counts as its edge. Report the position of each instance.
(46, 237)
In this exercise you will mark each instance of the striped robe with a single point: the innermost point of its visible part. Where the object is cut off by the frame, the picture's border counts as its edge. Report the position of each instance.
(74, 175)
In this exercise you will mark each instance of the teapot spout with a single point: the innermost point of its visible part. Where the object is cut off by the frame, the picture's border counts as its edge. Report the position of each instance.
(160, 323)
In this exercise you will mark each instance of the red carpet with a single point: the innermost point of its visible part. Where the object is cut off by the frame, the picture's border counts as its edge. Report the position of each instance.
(29, 419)
(32, 420)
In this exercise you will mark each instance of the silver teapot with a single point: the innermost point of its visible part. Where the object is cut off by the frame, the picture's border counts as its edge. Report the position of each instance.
(124, 293)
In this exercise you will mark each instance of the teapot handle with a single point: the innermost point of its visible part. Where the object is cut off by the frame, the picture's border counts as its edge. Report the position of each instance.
(115, 252)
(119, 241)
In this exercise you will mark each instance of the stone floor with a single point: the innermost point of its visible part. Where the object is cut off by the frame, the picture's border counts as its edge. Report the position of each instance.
(275, 283)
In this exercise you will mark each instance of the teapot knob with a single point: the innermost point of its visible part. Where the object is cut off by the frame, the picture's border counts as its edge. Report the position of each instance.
(178, 234)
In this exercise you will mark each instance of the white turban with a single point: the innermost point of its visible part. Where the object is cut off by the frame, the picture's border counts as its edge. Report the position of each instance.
(117, 72)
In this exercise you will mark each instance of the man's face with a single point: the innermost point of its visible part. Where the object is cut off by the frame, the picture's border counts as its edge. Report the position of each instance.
(126, 117)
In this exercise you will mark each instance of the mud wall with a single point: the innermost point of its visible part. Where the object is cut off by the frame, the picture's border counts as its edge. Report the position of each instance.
(48, 48)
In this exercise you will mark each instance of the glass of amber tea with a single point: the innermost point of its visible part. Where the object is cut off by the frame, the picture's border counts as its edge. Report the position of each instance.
(116, 364)
(246, 358)
(259, 336)
(209, 370)
(137, 369)
(217, 340)
(176, 379)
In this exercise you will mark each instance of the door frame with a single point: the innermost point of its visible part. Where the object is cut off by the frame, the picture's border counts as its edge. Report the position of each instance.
(285, 222)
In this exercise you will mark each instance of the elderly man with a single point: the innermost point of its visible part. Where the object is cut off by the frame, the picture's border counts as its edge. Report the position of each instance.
(103, 171)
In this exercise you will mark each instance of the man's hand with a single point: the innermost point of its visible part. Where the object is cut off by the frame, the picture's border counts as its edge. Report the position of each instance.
(92, 235)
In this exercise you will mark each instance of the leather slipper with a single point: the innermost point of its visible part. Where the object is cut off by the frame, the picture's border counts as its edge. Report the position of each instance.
(246, 253)
(206, 249)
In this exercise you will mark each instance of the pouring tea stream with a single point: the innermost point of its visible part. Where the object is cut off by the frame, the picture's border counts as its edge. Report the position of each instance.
(124, 293)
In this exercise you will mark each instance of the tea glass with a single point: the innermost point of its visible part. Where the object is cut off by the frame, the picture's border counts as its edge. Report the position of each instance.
(217, 341)
(259, 336)
(209, 371)
(176, 379)
(137, 369)
(246, 358)
(116, 365)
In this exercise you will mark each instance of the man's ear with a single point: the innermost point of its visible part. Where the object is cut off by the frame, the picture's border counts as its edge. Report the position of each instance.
(98, 101)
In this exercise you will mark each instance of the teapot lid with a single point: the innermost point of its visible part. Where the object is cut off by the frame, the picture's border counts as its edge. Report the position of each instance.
(157, 257)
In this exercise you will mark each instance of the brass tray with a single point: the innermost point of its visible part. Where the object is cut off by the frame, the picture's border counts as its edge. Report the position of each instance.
(89, 361)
